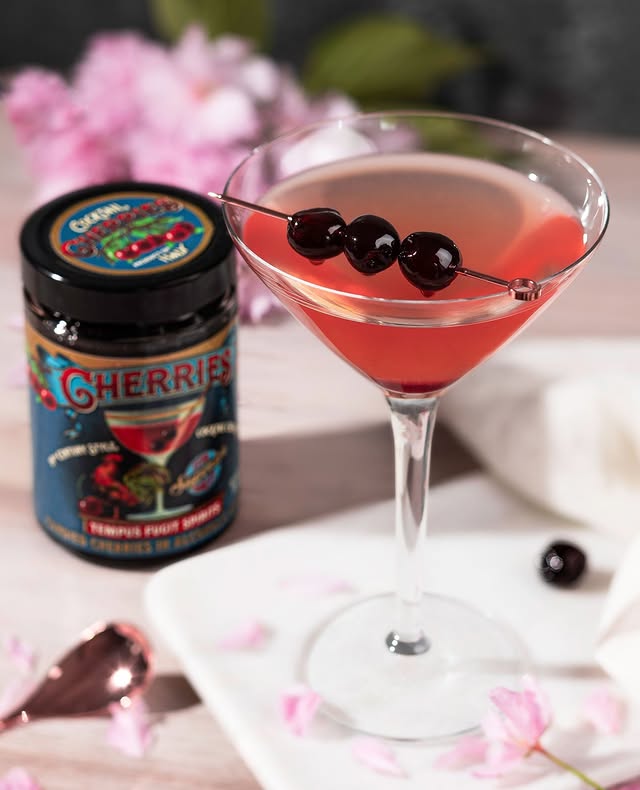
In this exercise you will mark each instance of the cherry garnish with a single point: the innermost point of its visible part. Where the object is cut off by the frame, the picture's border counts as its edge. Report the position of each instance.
(316, 233)
(430, 261)
(371, 244)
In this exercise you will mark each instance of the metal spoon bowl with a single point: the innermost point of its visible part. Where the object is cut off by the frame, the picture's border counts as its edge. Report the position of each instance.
(111, 664)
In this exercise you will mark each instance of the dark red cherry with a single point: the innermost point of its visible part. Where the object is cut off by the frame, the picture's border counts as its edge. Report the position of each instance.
(371, 244)
(562, 563)
(429, 260)
(316, 233)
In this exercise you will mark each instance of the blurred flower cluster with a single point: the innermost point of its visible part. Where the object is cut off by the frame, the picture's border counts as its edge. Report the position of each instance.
(184, 115)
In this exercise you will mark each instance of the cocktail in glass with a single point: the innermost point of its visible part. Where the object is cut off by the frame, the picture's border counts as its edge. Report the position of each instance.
(156, 434)
(520, 208)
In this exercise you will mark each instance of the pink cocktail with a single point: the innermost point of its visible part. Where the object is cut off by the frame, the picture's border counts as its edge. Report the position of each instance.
(412, 665)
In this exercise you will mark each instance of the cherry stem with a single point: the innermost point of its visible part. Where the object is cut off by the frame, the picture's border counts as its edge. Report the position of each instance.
(568, 767)
(521, 288)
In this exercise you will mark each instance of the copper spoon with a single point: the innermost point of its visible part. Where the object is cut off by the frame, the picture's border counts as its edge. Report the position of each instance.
(112, 663)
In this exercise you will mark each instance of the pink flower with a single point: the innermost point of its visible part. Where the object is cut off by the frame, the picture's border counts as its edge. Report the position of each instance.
(298, 707)
(248, 634)
(629, 784)
(512, 731)
(130, 729)
(18, 779)
(378, 756)
(40, 103)
(604, 711)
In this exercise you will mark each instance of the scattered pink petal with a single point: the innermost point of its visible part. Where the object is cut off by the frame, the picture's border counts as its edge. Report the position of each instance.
(298, 707)
(467, 751)
(378, 756)
(316, 584)
(130, 729)
(18, 779)
(21, 654)
(16, 321)
(248, 634)
(604, 711)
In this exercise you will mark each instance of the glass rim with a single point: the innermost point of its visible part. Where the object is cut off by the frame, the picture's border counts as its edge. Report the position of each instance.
(478, 120)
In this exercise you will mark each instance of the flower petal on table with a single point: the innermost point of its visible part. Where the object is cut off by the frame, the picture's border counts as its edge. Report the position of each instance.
(21, 654)
(378, 756)
(246, 635)
(316, 584)
(18, 779)
(604, 711)
(298, 707)
(467, 751)
(130, 730)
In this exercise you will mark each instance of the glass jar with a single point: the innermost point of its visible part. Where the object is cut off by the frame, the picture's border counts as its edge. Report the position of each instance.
(131, 343)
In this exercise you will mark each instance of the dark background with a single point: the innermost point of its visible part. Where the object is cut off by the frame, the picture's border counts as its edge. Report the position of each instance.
(568, 64)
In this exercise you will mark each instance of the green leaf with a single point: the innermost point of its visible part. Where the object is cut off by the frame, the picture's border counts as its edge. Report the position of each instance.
(246, 18)
(384, 59)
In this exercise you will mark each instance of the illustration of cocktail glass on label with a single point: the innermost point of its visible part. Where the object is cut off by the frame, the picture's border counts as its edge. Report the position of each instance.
(155, 434)
(380, 222)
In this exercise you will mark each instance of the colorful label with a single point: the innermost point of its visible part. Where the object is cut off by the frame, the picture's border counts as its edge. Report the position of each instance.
(134, 458)
(131, 233)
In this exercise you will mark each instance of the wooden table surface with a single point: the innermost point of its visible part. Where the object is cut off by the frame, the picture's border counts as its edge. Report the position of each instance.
(308, 424)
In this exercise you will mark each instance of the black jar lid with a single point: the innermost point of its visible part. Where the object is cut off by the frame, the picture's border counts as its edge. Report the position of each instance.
(124, 253)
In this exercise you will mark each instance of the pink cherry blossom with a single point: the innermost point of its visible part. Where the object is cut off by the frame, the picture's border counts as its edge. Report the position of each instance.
(298, 707)
(249, 634)
(604, 711)
(377, 755)
(514, 727)
(130, 729)
(18, 779)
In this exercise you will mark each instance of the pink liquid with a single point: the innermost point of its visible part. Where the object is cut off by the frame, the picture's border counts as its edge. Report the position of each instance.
(503, 223)
(156, 438)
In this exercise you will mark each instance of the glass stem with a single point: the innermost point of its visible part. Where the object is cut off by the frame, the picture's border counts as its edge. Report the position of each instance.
(412, 421)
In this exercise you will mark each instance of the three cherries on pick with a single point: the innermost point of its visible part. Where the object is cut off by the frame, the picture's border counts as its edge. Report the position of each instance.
(371, 244)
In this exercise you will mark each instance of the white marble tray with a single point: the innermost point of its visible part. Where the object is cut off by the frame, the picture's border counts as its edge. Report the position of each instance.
(484, 546)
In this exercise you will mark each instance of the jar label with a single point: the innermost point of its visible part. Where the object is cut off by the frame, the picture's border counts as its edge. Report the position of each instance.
(134, 457)
(131, 233)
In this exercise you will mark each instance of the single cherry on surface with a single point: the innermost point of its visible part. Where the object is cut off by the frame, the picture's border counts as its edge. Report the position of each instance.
(562, 563)
(429, 261)
(371, 244)
(316, 233)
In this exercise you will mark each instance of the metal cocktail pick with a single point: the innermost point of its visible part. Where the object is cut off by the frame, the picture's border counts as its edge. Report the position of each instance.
(522, 288)
(111, 664)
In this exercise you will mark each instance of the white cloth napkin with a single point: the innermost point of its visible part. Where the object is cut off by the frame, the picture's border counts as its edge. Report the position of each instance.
(559, 421)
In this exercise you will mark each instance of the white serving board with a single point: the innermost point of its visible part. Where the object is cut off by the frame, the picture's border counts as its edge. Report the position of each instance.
(483, 547)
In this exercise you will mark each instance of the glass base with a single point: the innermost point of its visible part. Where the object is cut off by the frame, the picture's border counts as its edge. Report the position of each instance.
(439, 693)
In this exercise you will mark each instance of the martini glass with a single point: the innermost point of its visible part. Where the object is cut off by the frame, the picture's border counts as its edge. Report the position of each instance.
(409, 664)
(155, 434)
